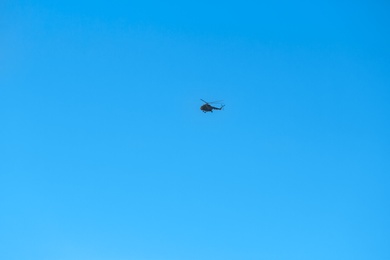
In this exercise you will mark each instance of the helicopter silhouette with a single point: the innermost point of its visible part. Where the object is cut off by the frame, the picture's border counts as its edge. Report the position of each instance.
(209, 108)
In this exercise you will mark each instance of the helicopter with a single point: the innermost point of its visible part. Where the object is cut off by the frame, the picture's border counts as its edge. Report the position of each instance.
(209, 108)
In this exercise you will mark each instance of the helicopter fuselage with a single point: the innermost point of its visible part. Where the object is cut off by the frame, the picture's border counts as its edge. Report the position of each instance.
(208, 108)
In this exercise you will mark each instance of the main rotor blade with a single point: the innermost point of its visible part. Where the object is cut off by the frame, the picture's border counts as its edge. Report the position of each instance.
(218, 101)
(204, 101)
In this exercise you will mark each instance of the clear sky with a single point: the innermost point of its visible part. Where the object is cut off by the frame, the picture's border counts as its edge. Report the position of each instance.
(105, 155)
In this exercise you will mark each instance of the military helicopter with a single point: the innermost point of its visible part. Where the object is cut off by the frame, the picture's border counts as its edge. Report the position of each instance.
(209, 108)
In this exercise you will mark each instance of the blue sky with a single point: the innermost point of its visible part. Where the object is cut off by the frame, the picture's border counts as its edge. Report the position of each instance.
(106, 155)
